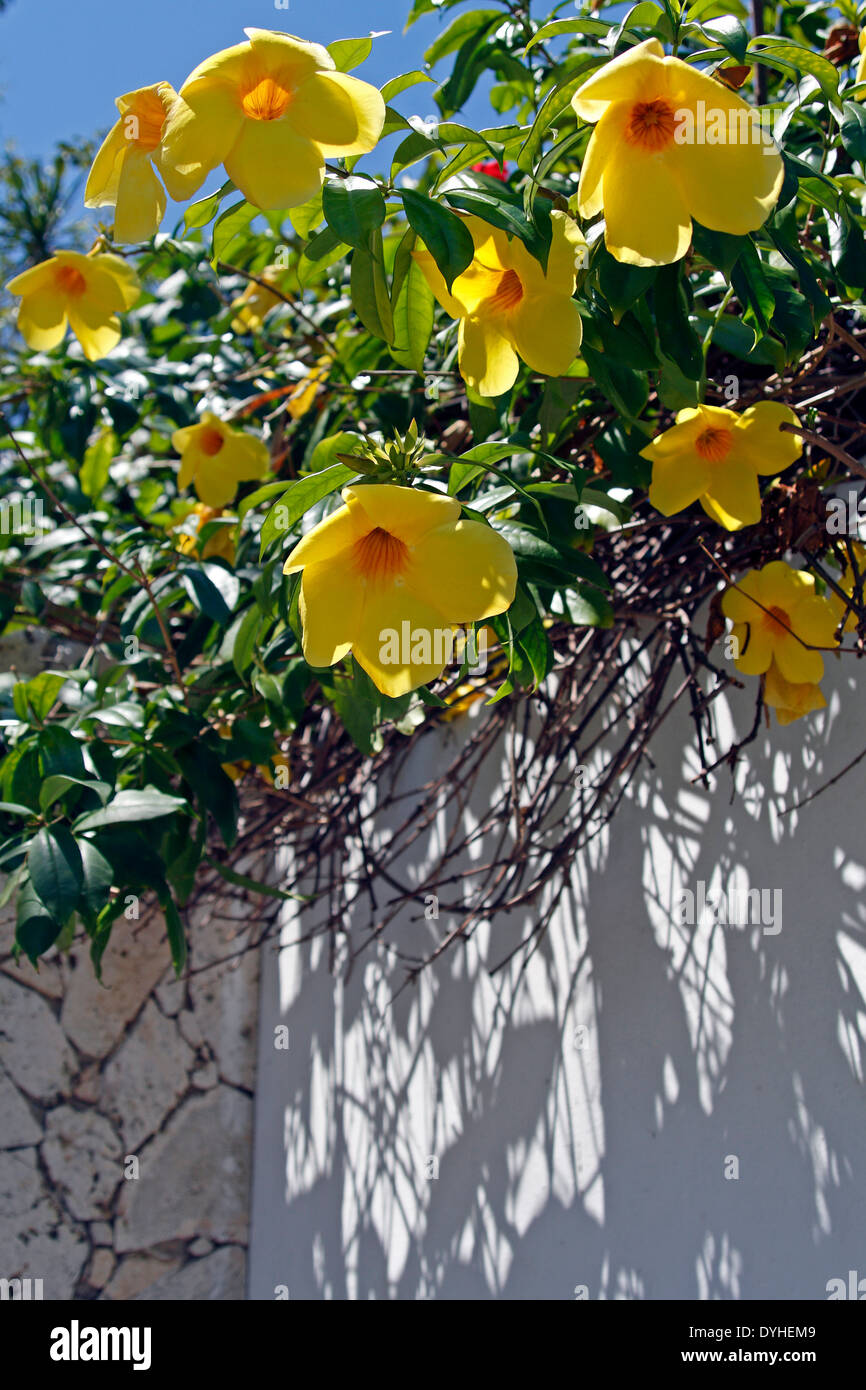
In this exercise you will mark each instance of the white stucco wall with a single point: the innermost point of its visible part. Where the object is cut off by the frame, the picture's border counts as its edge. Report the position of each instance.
(584, 1112)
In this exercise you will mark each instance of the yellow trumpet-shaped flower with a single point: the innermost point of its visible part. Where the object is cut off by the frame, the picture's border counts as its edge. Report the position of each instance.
(220, 543)
(123, 173)
(387, 576)
(714, 456)
(778, 618)
(671, 144)
(215, 458)
(271, 110)
(254, 304)
(509, 308)
(303, 397)
(791, 701)
(85, 293)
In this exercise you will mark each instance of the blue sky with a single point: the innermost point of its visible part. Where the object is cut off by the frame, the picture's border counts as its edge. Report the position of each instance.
(62, 62)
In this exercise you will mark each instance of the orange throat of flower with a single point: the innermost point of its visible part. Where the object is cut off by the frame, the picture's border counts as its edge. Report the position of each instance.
(776, 620)
(266, 100)
(714, 444)
(210, 441)
(651, 125)
(379, 558)
(70, 281)
(143, 125)
(507, 294)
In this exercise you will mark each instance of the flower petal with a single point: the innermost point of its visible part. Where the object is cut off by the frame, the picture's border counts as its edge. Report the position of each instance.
(737, 601)
(768, 448)
(465, 570)
(637, 75)
(405, 512)
(285, 53)
(36, 278)
(732, 497)
(101, 188)
(488, 362)
(647, 218)
(331, 605)
(546, 331)
(201, 129)
(42, 318)
(341, 113)
(140, 205)
(797, 662)
(601, 151)
(96, 332)
(678, 480)
(385, 612)
(273, 166)
(329, 539)
(756, 650)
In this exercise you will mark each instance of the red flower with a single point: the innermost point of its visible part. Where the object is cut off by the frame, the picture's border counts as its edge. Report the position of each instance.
(492, 168)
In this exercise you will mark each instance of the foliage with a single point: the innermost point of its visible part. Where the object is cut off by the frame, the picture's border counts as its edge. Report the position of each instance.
(315, 330)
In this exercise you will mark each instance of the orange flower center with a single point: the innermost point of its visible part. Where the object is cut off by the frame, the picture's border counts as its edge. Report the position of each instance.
(777, 620)
(143, 124)
(651, 124)
(508, 293)
(267, 100)
(70, 280)
(210, 441)
(379, 556)
(714, 444)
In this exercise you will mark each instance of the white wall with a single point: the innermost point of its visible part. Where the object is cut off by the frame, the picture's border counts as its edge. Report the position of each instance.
(594, 1160)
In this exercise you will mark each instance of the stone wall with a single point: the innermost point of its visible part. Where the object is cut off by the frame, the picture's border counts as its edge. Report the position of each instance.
(126, 1112)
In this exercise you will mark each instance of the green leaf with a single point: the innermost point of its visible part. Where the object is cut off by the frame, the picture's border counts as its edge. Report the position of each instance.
(677, 338)
(794, 55)
(720, 249)
(229, 225)
(454, 37)
(175, 932)
(205, 210)
(132, 805)
(728, 31)
(298, 499)
(349, 53)
(414, 311)
(97, 878)
(369, 286)
(97, 461)
(496, 209)
(245, 640)
(596, 28)
(41, 692)
(445, 235)
(14, 808)
(213, 589)
(55, 786)
(266, 889)
(403, 83)
(35, 930)
(751, 287)
(853, 131)
(355, 210)
(56, 872)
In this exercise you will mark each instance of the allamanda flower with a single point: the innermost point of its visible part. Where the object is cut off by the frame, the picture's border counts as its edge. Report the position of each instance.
(255, 302)
(84, 292)
(215, 458)
(122, 175)
(272, 110)
(778, 618)
(791, 701)
(387, 577)
(509, 308)
(715, 456)
(671, 144)
(220, 543)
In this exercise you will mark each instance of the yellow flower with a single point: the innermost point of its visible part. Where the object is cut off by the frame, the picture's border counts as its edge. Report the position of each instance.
(714, 456)
(509, 308)
(216, 458)
(272, 110)
(254, 304)
(220, 543)
(123, 174)
(387, 576)
(302, 398)
(85, 292)
(671, 144)
(775, 611)
(791, 701)
(860, 75)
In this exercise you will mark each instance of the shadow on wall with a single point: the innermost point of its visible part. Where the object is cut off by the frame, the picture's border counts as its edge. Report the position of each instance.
(647, 1107)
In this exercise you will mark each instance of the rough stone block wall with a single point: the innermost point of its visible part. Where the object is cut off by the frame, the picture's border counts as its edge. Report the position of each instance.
(140, 1074)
